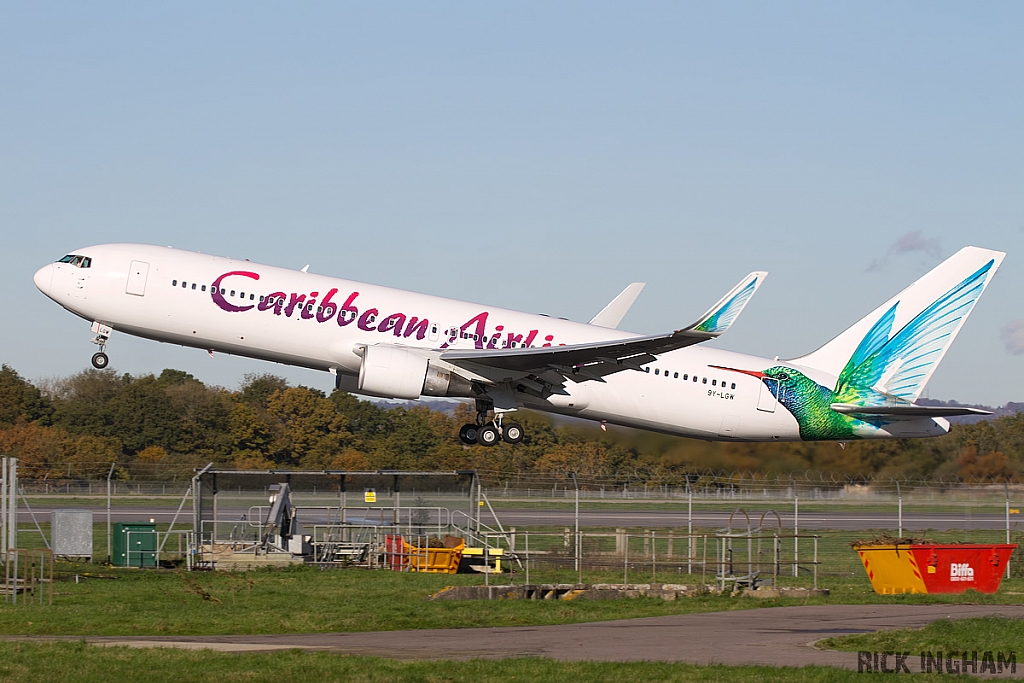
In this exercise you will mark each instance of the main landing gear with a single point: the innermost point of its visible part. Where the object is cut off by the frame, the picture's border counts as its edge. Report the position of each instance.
(489, 432)
(100, 360)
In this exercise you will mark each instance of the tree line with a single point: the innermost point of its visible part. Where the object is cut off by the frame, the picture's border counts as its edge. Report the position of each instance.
(163, 426)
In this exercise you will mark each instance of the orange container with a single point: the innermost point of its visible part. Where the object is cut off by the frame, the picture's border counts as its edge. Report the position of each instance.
(433, 560)
(935, 567)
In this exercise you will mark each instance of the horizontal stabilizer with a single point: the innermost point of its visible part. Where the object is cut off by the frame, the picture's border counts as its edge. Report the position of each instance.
(906, 412)
(612, 314)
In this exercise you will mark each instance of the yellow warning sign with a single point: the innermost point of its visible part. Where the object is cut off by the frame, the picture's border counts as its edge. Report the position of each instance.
(370, 496)
(1014, 511)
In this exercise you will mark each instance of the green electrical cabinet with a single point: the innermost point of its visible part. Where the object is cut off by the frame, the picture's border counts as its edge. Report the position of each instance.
(134, 544)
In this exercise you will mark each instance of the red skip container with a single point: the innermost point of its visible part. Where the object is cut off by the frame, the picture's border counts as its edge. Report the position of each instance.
(935, 567)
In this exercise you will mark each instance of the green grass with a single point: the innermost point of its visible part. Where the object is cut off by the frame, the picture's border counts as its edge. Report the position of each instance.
(308, 600)
(80, 663)
(301, 600)
(995, 634)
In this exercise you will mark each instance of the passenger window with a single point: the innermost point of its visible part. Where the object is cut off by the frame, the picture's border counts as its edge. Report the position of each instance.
(647, 369)
(203, 288)
(714, 383)
(704, 381)
(232, 292)
(686, 377)
(174, 283)
(675, 375)
(193, 285)
(252, 297)
(184, 285)
(733, 385)
(261, 297)
(657, 371)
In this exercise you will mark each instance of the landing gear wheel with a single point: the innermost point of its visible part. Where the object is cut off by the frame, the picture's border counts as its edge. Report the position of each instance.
(100, 360)
(468, 434)
(488, 435)
(512, 433)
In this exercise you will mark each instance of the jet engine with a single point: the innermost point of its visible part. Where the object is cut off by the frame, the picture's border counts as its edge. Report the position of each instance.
(395, 372)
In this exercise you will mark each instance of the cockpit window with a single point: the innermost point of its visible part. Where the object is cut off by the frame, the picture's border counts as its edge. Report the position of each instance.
(77, 260)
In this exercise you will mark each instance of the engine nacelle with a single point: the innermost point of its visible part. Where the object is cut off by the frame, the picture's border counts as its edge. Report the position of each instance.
(394, 372)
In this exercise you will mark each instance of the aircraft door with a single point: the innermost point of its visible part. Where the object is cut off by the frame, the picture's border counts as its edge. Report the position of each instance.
(137, 275)
(766, 400)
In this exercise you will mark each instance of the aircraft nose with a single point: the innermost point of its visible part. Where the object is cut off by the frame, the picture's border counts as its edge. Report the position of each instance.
(43, 278)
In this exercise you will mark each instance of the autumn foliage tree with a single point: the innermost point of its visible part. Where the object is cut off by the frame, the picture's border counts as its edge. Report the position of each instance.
(165, 425)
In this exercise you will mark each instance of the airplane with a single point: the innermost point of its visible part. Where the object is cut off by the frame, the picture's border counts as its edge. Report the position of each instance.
(384, 342)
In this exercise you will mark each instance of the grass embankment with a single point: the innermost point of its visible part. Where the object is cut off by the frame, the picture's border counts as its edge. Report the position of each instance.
(307, 600)
(80, 663)
(300, 600)
(989, 633)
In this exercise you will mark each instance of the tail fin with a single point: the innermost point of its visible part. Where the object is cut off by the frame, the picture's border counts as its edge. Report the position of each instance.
(926, 316)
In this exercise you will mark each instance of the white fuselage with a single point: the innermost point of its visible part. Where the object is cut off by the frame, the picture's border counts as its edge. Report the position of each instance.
(321, 322)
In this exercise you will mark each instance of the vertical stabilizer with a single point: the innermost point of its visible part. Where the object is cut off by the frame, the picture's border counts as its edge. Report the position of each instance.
(895, 349)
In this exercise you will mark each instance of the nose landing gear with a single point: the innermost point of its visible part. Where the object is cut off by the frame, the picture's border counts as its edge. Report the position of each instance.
(100, 360)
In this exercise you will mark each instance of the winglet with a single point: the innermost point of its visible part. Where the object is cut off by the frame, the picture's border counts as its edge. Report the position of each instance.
(612, 314)
(722, 315)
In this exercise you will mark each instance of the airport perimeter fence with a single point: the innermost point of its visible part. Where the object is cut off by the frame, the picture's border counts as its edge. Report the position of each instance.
(713, 528)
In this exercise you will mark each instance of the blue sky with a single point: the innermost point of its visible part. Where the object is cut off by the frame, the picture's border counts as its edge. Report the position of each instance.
(534, 156)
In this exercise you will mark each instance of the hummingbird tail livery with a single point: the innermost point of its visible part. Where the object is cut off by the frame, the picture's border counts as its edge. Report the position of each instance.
(896, 348)
(379, 341)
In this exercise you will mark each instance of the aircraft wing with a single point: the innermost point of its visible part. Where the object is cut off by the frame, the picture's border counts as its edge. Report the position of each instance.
(905, 412)
(552, 365)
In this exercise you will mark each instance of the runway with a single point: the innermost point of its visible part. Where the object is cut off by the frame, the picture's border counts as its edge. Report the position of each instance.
(839, 519)
(777, 636)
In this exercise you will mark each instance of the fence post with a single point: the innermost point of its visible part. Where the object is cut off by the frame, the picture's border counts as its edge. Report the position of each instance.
(1006, 490)
(899, 510)
(625, 560)
(527, 557)
(654, 560)
(689, 527)
(796, 532)
(109, 476)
